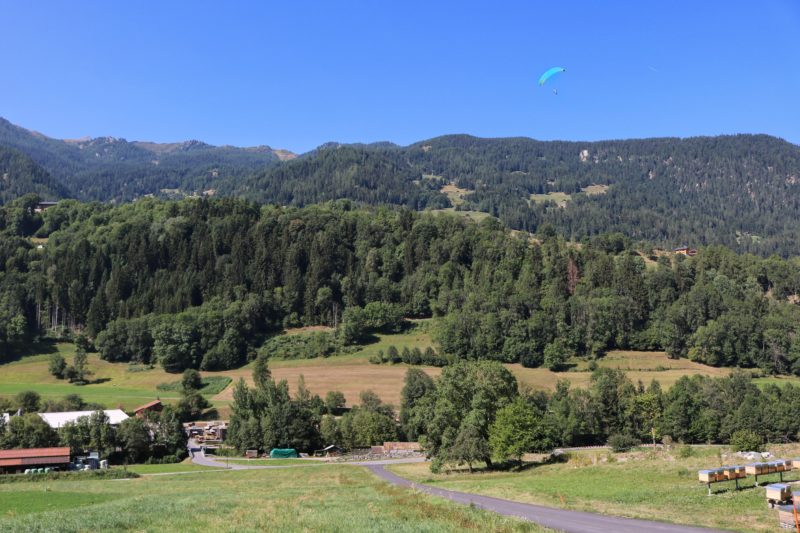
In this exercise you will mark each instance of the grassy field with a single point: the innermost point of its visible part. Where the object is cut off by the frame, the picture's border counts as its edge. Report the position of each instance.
(271, 462)
(333, 498)
(655, 485)
(116, 385)
(168, 468)
(474, 216)
(350, 374)
(454, 194)
(644, 366)
(560, 198)
(593, 190)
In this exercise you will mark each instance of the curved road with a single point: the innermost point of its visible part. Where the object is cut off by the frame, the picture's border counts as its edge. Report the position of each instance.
(559, 519)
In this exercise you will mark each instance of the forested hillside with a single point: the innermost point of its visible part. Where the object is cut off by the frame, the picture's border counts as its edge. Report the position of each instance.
(108, 168)
(201, 283)
(741, 191)
(19, 175)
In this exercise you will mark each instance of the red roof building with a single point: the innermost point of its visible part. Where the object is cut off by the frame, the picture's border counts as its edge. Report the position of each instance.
(18, 460)
(154, 406)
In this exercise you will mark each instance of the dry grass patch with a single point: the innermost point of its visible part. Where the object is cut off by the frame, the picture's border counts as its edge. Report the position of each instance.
(644, 366)
(592, 190)
(455, 194)
(560, 198)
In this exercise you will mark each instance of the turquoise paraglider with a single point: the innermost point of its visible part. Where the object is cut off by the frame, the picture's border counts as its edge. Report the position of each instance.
(549, 73)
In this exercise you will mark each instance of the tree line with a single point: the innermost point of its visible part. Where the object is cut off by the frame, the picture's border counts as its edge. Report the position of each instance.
(475, 412)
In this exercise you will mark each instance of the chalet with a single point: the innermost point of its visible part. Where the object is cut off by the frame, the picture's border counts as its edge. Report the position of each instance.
(17, 461)
(151, 407)
(57, 420)
(41, 206)
(685, 250)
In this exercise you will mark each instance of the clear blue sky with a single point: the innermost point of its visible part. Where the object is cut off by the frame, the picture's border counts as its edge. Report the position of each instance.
(297, 74)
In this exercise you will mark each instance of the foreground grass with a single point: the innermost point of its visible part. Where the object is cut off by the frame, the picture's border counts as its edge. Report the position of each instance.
(270, 462)
(167, 468)
(653, 485)
(336, 498)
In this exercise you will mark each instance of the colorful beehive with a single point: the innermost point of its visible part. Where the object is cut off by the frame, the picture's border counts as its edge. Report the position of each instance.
(779, 492)
(787, 465)
(796, 462)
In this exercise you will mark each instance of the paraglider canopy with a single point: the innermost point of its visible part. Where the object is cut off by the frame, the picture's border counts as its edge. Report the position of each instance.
(549, 73)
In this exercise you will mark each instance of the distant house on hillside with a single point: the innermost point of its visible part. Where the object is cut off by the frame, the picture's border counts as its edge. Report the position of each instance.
(41, 206)
(151, 407)
(57, 420)
(685, 250)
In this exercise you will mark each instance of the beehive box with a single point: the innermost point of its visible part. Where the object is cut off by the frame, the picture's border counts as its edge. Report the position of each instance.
(732, 472)
(779, 492)
(756, 469)
(796, 463)
(738, 472)
(709, 476)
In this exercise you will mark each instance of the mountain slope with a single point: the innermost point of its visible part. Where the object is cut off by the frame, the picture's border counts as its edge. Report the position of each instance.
(107, 168)
(19, 175)
(742, 191)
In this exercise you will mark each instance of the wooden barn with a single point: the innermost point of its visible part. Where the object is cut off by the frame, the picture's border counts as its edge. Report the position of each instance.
(17, 461)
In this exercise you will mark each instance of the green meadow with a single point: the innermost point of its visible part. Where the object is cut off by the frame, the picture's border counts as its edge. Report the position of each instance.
(333, 498)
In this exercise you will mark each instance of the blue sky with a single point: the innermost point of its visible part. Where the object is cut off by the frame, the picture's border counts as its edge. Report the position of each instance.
(297, 74)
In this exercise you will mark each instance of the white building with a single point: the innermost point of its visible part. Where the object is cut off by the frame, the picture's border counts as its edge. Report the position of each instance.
(57, 420)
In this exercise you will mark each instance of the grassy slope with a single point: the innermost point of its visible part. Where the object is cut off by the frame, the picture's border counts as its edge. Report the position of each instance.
(646, 484)
(168, 468)
(305, 499)
(350, 374)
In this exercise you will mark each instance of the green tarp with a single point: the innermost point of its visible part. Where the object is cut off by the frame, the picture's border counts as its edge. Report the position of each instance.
(282, 453)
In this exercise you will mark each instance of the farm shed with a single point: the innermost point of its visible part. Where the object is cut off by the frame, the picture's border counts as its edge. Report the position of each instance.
(17, 461)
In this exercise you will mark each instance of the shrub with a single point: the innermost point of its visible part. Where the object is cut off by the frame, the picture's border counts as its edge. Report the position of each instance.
(621, 442)
(746, 440)
(685, 451)
(555, 355)
(57, 365)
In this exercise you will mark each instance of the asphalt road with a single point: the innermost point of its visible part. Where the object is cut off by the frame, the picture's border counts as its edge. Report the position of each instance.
(558, 519)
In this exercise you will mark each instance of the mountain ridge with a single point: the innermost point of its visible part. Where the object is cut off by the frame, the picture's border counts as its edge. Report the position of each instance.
(742, 190)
